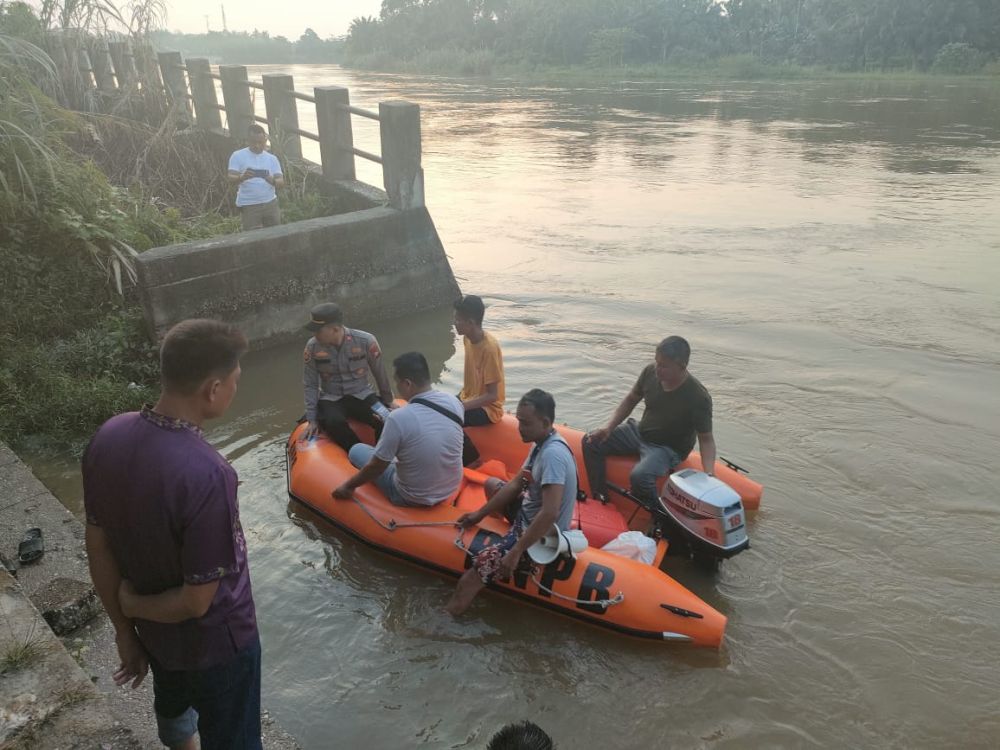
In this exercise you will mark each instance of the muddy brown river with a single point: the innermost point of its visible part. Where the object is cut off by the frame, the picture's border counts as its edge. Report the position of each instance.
(832, 252)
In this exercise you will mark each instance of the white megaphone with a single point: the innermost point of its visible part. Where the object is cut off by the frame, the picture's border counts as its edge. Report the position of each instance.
(557, 542)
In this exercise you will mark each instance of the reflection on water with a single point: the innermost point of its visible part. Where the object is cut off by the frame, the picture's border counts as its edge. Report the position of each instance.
(831, 251)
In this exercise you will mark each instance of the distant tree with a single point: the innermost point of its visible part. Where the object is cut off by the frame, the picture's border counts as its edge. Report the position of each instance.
(959, 57)
(362, 36)
(613, 46)
(850, 34)
(310, 48)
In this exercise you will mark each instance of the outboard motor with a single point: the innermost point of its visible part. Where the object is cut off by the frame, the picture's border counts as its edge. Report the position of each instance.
(706, 514)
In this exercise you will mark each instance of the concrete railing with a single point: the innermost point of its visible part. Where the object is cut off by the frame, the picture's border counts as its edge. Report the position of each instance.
(382, 258)
(107, 71)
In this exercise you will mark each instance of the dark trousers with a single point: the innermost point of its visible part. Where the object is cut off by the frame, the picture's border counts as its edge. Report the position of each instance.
(332, 416)
(473, 418)
(223, 700)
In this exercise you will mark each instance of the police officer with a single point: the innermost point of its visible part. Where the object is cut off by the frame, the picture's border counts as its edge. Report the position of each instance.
(339, 363)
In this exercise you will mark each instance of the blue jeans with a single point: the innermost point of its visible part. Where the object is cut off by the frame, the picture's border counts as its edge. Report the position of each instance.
(222, 703)
(360, 454)
(655, 461)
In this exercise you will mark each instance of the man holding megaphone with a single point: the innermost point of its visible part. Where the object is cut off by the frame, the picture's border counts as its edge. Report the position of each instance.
(547, 487)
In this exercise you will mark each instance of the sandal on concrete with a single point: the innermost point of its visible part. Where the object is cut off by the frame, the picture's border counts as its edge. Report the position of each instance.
(31, 547)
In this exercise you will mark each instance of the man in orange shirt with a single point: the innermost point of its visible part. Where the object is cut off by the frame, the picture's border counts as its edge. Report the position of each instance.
(483, 387)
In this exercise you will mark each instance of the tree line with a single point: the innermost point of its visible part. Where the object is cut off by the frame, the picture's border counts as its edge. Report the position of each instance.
(251, 47)
(956, 36)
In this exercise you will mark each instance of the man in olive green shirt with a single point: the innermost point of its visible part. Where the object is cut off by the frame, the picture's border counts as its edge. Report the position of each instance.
(677, 408)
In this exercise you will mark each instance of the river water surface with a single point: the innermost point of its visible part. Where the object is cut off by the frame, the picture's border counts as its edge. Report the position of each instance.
(832, 252)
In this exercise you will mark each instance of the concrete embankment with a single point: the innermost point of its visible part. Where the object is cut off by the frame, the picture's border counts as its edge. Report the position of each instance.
(378, 263)
(59, 693)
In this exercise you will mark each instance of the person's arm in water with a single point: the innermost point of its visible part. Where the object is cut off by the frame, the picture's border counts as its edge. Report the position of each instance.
(706, 446)
(134, 663)
(484, 399)
(368, 473)
(626, 407)
(184, 602)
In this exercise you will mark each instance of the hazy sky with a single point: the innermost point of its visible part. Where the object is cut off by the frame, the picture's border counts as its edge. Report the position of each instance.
(288, 17)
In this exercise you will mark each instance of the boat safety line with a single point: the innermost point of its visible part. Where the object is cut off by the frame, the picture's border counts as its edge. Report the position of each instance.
(394, 524)
(602, 603)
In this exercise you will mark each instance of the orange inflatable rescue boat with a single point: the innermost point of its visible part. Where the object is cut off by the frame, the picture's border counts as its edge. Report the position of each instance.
(615, 592)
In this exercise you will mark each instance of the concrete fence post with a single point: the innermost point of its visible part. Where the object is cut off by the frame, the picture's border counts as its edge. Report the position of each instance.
(236, 93)
(85, 71)
(84, 66)
(148, 69)
(121, 57)
(56, 47)
(336, 138)
(172, 73)
(401, 170)
(100, 63)
(282, 113)
(206, 102)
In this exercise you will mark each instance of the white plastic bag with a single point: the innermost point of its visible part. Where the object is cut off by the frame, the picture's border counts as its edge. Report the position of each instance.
(634, 545)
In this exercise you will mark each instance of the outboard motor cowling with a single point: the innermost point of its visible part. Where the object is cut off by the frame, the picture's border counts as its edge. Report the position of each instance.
(707, 513)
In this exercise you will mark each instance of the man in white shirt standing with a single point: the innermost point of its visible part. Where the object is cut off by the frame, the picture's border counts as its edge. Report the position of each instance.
(418, 458)
(258, 173)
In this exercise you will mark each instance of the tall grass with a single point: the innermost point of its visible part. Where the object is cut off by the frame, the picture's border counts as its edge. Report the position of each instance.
(73, 347)
(81, 193)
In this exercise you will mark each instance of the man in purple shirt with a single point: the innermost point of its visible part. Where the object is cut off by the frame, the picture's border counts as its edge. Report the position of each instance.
(167, 552)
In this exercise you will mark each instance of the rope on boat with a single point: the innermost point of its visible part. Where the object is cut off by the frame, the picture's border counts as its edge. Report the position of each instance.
(394, 524)
(602, 603)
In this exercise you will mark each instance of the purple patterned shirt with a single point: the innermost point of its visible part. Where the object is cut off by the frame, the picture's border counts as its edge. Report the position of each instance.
(166, 500)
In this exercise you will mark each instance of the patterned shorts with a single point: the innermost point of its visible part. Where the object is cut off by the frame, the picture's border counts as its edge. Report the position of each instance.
(487, 562)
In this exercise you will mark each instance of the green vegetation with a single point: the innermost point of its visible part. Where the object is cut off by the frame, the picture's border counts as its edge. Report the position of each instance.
(253, 48)
(743, 39)
(20, 651)
(16, 656)
(81, 194)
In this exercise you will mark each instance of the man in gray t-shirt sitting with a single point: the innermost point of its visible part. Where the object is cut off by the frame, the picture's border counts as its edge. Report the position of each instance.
(418, 458)
(548, 486)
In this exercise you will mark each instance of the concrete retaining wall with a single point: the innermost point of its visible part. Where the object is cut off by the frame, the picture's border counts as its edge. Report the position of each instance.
(377, 263)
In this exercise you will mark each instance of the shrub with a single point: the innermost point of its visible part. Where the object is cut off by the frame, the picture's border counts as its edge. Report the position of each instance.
(456, 62)
(958, 58)
(992, 68)
(55, 393)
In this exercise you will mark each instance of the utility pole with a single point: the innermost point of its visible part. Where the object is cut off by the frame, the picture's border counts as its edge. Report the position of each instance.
(207, 27)
(224, 27)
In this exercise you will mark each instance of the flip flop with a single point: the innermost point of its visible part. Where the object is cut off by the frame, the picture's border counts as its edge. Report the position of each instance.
(31, 547)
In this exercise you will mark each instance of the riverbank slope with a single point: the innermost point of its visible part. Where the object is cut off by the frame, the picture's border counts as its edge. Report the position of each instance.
(59, 693)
